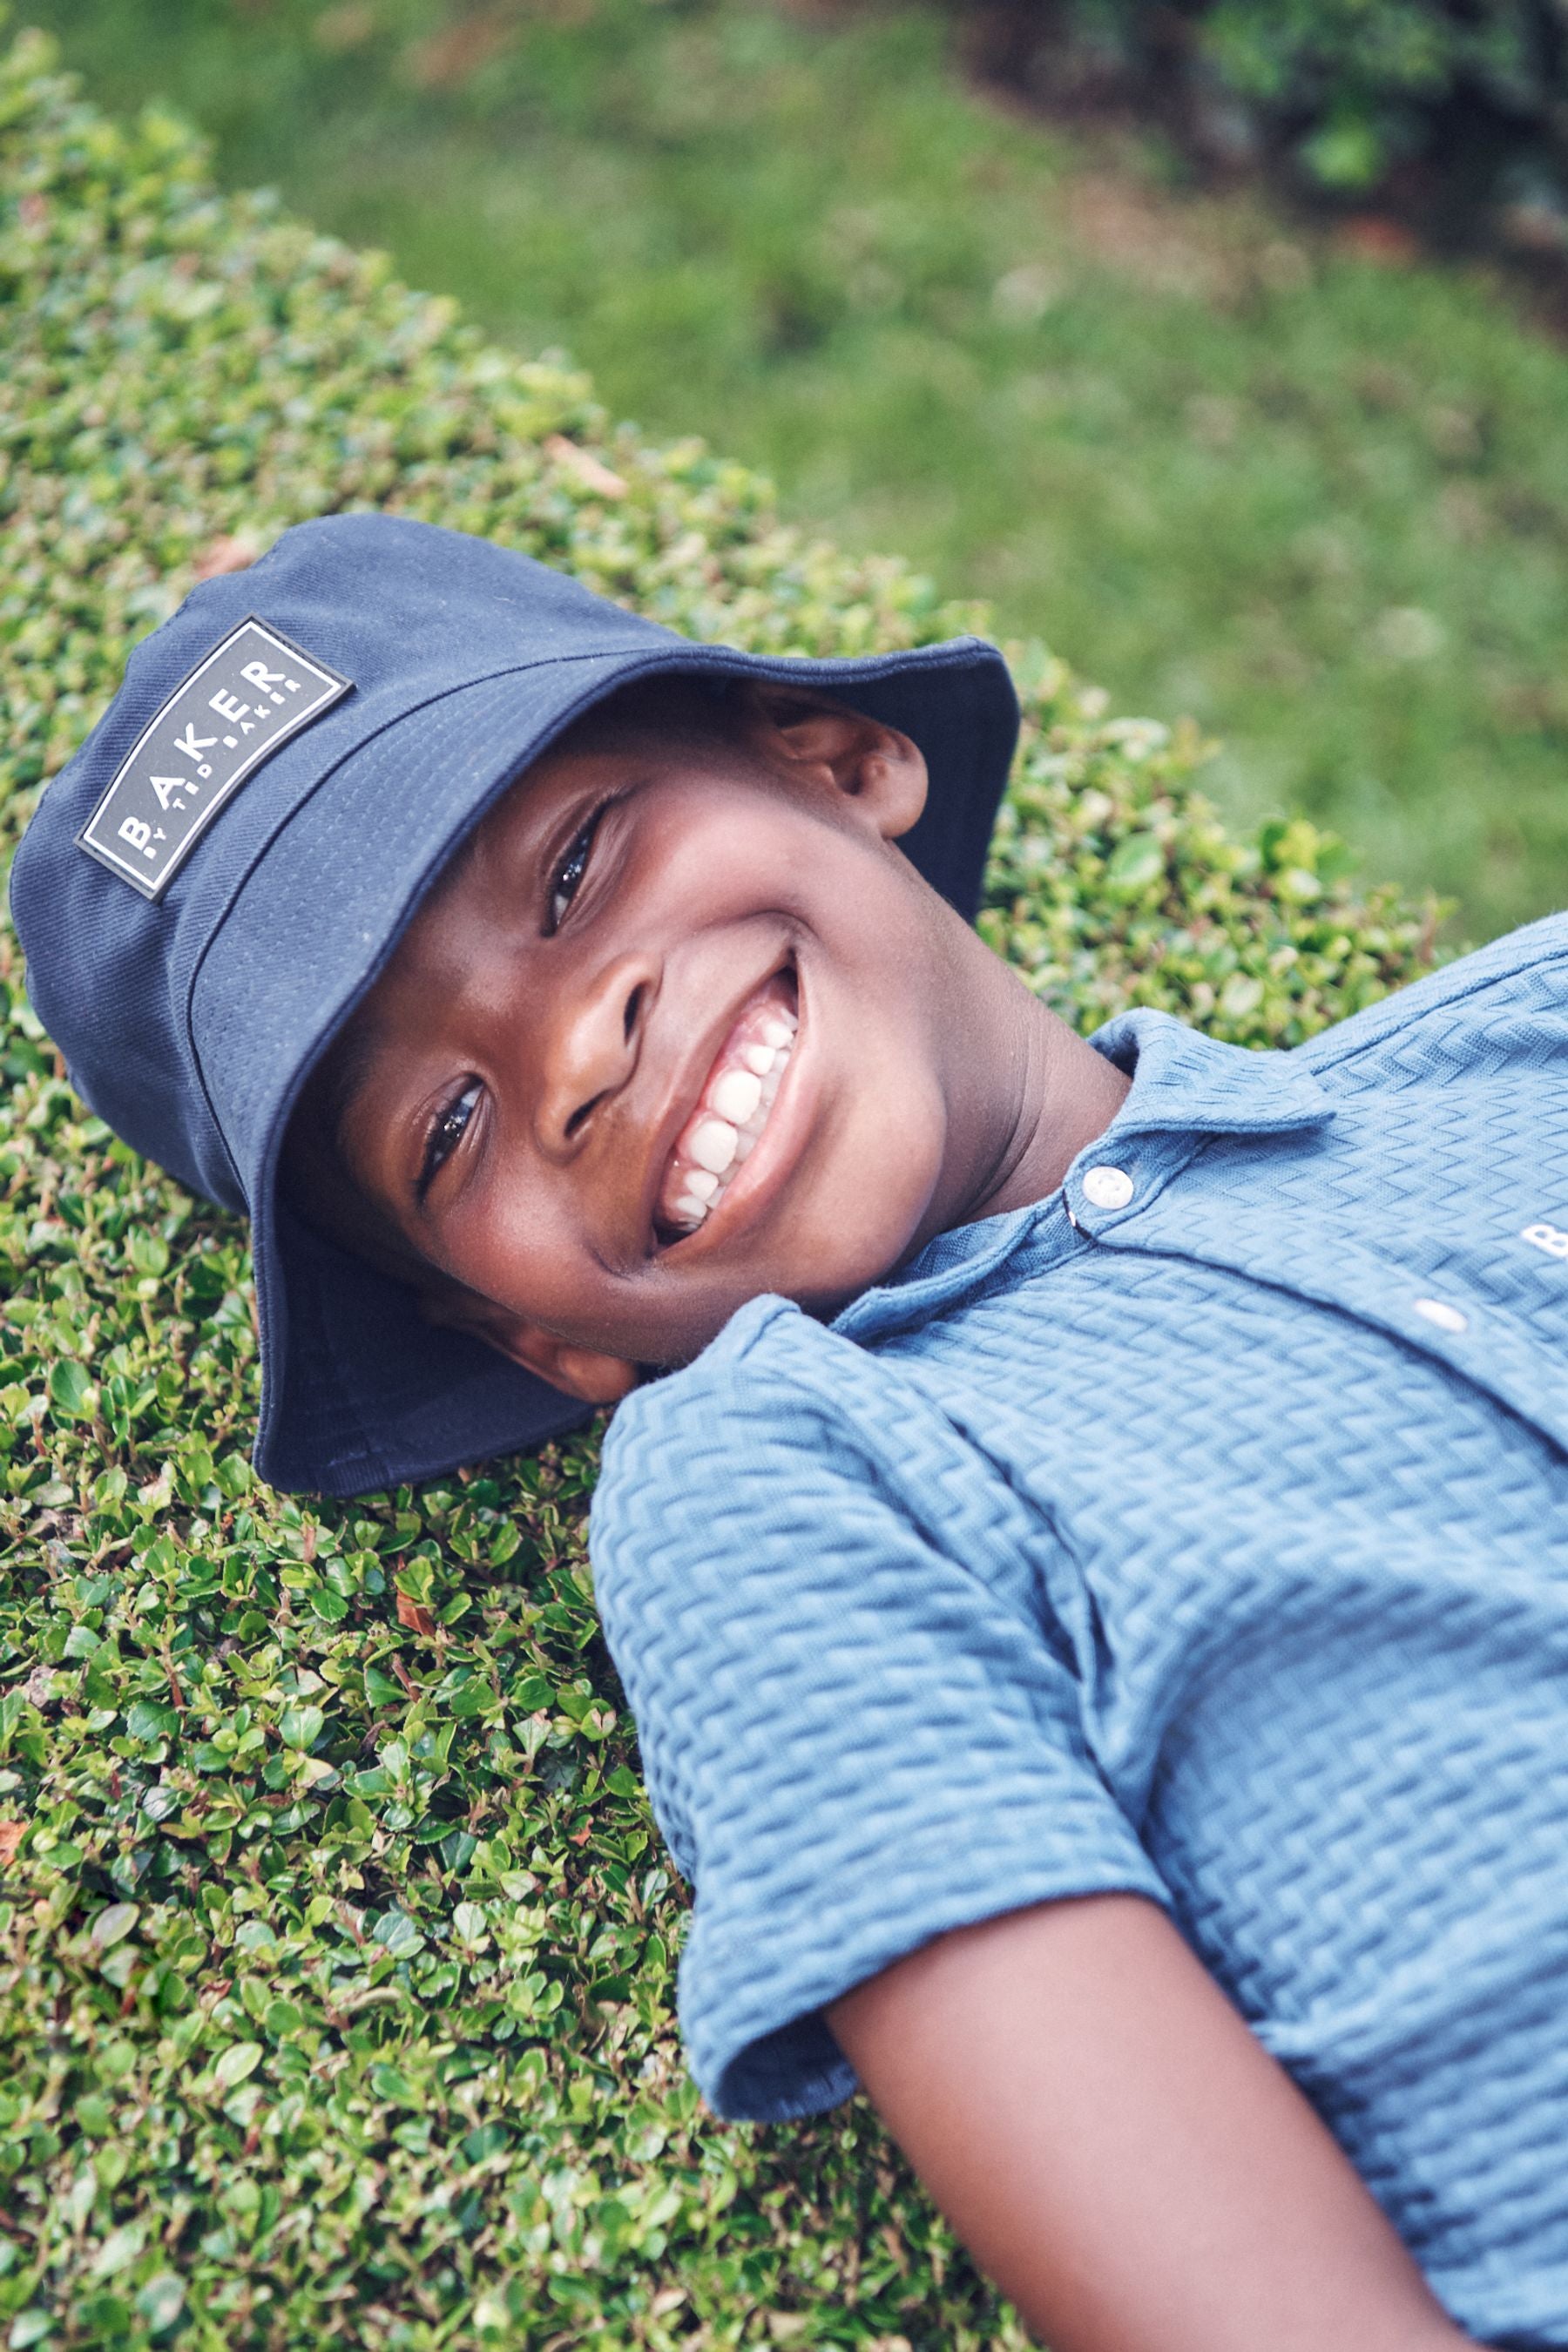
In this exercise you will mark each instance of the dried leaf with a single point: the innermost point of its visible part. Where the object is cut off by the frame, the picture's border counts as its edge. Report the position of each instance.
(591, 471)
(231, 551)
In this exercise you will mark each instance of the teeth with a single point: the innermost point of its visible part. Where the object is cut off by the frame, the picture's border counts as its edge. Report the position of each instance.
(730, 1117)
(712, 1144)
(736, 1095)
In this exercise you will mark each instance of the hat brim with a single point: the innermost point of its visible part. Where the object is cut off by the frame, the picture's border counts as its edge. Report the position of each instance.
(358, 1392)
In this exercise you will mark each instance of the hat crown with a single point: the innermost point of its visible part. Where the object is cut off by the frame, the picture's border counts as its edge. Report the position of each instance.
(407, 612)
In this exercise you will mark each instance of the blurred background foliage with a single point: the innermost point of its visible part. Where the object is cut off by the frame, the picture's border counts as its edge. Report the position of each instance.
(1460, 106)
(1273, 468)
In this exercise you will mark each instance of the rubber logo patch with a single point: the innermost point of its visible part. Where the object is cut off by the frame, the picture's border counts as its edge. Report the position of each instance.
(248, 697)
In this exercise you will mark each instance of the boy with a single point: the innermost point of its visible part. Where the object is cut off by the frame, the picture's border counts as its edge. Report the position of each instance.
(1093, 1598)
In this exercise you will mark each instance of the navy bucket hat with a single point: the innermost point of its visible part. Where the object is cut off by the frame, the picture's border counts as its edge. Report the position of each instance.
(218, 876)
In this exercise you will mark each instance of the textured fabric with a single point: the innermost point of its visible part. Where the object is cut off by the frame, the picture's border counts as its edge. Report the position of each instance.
(1214, 1546)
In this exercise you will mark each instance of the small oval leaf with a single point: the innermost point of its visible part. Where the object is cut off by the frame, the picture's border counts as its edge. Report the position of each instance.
(241, 2059)
(301, 1727)
(71, 1387)
(1135, 863)
(112, 1926)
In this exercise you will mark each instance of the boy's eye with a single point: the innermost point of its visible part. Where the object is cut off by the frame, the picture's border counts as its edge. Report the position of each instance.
(448, 1131)
(567, 878)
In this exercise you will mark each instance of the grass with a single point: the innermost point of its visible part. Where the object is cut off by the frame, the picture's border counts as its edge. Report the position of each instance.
(337, 1946)
(1230, 469)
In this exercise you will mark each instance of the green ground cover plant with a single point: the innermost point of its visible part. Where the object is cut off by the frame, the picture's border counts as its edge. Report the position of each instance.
(337, 1946)
(1226, 466)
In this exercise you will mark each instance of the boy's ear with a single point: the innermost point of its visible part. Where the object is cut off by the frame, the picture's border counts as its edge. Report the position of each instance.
(582, 1372)
(876, 766)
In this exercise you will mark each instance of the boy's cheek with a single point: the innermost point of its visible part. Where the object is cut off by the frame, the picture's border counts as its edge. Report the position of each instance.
(851, 1210)
(862, 1220)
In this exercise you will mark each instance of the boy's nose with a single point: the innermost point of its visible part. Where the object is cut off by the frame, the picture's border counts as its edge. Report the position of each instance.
(594, 1052)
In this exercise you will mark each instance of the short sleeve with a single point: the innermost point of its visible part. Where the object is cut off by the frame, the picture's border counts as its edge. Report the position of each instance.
(853, 1739)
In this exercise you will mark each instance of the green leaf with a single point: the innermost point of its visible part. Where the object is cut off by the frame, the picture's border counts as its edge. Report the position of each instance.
(1348, 153)
(380, 1690)
(162, 2301)
(121, 2246)
(472, 1697)
(301, 1727)
(102, 2317)
(71, 1387)
(147, 1719)
(397, 1934)
(240, 2060)
(470, 1923)
(1135, 864)
(111, 1927)
(148, 1252)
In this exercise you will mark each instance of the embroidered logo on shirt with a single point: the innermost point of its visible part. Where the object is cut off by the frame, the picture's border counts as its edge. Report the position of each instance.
(1550, 1238)
(240, 705)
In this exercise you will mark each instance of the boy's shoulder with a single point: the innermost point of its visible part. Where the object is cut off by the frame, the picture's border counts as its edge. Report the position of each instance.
(784, 1429)
(773, 1380)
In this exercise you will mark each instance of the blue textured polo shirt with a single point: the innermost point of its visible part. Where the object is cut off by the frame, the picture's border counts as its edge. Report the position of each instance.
(1200, 1531)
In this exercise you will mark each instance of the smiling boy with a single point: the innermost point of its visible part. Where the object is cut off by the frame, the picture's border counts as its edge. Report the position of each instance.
(1091, 1579)
(582, 1127)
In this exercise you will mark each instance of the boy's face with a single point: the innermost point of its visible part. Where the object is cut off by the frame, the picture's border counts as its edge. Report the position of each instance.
(680, 1026)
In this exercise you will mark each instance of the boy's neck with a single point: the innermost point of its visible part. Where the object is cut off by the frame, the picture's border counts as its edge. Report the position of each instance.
(1056, 1095)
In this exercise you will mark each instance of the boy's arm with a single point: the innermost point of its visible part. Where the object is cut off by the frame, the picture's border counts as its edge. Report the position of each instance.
(1117, 2149)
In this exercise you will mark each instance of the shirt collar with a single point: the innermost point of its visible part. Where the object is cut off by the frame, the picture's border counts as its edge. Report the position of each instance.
(1185, 1085)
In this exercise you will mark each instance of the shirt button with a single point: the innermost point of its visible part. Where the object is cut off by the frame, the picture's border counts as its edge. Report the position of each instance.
(1108, 1188)
(1446, 1317)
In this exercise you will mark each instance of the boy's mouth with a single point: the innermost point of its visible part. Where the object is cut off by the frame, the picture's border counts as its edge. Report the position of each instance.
(731, 1110)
